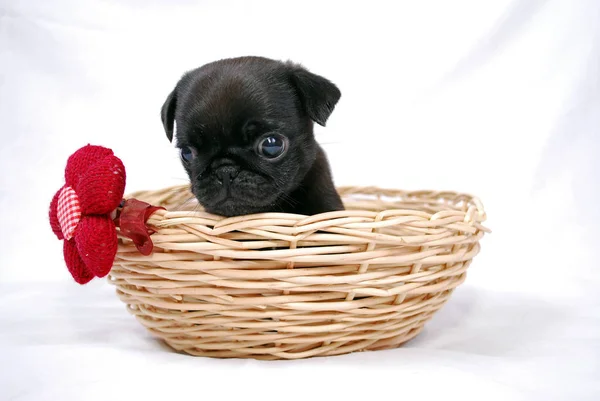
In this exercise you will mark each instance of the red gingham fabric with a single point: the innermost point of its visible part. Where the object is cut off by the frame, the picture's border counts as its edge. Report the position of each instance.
(69, 211)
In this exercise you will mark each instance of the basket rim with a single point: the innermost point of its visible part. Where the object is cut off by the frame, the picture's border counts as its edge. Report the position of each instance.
(474, 214)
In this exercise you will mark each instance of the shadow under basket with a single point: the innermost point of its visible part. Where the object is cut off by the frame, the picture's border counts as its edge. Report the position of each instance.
(283, 286)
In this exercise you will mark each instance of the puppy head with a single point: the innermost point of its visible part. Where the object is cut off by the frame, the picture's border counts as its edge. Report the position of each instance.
(245, 130)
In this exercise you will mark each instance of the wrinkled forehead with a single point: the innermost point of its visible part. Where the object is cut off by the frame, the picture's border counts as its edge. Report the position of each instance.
(224, 102)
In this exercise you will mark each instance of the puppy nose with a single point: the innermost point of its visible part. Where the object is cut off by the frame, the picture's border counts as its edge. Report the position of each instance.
(227, 173)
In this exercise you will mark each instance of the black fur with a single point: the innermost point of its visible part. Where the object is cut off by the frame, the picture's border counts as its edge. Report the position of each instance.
(223, 107)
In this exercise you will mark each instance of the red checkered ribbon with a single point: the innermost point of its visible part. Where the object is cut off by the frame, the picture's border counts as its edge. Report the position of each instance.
(68, 211)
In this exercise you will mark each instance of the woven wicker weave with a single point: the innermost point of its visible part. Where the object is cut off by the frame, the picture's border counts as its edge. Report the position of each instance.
(279, 286)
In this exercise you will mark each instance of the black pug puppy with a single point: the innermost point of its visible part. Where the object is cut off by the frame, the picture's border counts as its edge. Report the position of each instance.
(244, 127)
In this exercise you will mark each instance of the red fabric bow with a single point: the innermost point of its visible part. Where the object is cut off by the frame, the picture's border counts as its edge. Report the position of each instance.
(80, 212)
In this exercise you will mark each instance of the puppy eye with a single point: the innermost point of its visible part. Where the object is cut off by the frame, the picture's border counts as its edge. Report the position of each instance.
(271, 146)
(188, 153)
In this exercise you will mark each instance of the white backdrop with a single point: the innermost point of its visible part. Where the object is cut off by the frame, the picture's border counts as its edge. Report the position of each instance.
(498, 98)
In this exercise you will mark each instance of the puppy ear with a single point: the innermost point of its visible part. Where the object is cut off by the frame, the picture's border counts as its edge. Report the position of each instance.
(167, 114)
(318, 95)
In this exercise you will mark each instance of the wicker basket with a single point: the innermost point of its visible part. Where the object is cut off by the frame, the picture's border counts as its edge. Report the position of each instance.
(280, 286)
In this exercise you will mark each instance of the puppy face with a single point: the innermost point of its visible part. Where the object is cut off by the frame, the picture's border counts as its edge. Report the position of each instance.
(245, 131)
